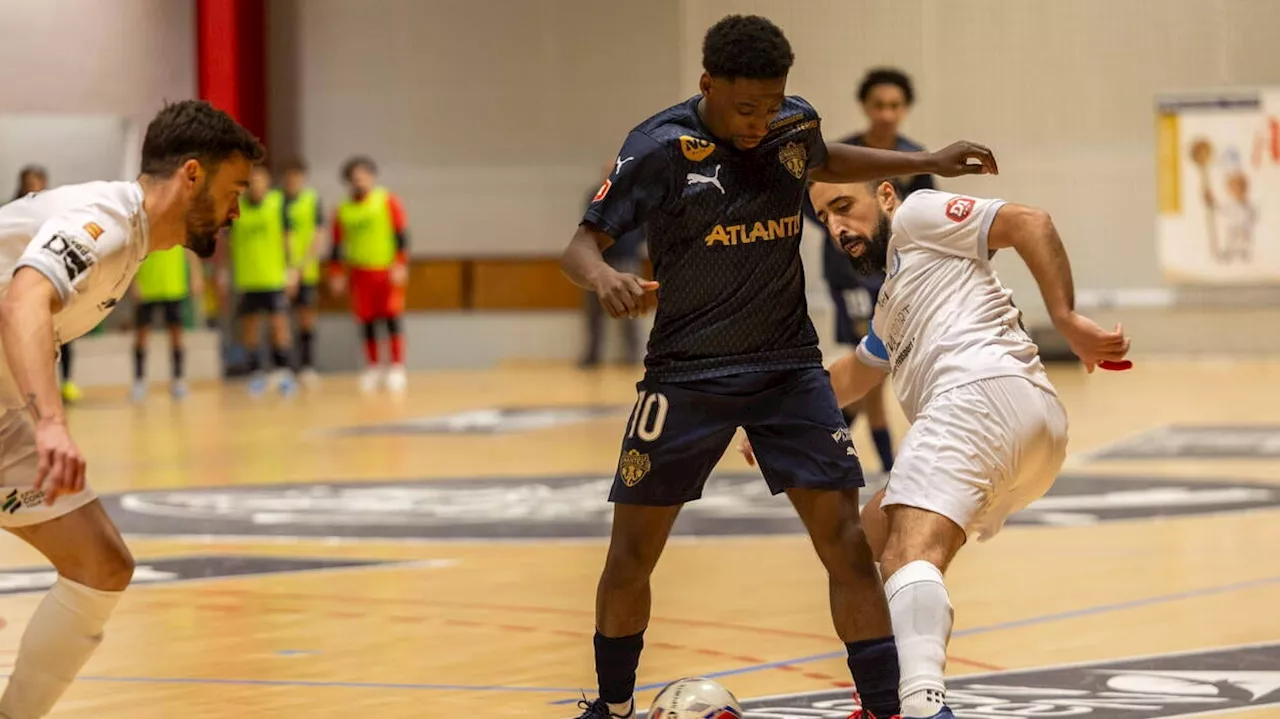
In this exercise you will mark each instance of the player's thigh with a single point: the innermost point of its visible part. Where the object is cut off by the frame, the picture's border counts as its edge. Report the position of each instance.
(84, 545)
(673, 438)
(142, 314)
(800, 438)
(173, 313)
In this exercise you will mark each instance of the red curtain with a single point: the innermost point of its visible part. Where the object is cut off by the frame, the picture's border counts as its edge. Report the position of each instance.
(231, 59)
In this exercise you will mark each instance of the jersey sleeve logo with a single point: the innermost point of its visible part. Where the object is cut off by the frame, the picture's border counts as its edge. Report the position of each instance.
(696, 149)
(604, 190)
(958, 208)
(75, 257)
(94, 229)
(794, 157)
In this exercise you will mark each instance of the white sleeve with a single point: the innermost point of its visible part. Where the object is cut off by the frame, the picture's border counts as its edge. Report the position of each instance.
(947, 223)
(68, 246)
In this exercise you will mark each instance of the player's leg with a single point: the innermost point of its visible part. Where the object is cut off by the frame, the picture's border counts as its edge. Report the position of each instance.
(804, 448)
(282, 344)
(365, 311)
(878, 422)
(71, 392)
(93, 564)
(305, 314)
(252, 307)
(177, 352)
(673, 439)
(141, 329)
(391, 303)
(973, 456)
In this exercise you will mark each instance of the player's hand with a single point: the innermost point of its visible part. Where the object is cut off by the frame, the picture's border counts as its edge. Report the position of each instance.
(399, 275)
(747, 453)
(957, 159)
(1091, 343)
(292, 278)
(338, 285)
(197, 285)
(60, 466)
(623, 294)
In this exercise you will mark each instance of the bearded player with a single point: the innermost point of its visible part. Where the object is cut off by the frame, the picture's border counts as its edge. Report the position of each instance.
(67, 256)
(988, 432)
(716, 183)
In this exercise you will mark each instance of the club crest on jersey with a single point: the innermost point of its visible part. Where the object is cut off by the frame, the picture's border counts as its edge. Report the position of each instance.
(633, 467)
(794, 157)
(959, 208)
(696, 149)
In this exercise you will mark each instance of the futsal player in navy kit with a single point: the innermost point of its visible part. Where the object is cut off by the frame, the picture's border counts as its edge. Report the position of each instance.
(716, 183)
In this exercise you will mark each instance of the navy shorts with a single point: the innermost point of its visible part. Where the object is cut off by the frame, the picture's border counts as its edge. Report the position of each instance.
(307, 297)
(678, 432)
(263, 302)
(171, 311)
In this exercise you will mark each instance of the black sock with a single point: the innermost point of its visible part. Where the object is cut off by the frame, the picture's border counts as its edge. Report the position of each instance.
(65, 358)
(253, 362)
(280, 357)
(178, 356)
(884, 447)
(139, 363)
(616, 663)
(305, 340)
(874, 665)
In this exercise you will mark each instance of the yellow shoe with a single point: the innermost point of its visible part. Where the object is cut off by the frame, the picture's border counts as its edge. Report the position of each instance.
(71, 393)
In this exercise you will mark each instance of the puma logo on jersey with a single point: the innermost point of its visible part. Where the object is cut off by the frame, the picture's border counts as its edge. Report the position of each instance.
(694, 178)
(620, 162)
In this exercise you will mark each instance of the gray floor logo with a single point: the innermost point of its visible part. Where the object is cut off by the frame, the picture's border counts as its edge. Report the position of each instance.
(495, 420)
(1194, 442)
(1161, 687)
(571, 507)
(183, 569)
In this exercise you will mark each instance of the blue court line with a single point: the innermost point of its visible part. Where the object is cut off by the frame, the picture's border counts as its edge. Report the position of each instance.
(1014, 624)
(320, 684)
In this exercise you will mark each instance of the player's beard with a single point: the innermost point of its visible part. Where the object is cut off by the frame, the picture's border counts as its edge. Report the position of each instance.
(876, 250)
(202, 225)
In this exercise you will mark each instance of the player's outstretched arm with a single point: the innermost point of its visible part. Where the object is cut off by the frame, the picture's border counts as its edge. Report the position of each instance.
(851, 163)
(621, 294)
(852, 379)
(1031, 233)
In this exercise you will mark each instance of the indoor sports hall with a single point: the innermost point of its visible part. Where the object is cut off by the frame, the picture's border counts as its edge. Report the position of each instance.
(328, 543)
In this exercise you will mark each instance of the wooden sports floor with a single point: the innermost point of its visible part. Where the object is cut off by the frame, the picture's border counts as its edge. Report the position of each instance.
(337, 555)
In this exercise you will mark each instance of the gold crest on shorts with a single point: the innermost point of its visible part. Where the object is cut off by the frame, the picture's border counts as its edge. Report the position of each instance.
(696, 149)
(794, 157)
(633, 467)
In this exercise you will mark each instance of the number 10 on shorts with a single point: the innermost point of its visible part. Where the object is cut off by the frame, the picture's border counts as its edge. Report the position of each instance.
(648, 416)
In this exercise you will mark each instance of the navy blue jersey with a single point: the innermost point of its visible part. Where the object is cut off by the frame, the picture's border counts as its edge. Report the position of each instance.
(723, 230)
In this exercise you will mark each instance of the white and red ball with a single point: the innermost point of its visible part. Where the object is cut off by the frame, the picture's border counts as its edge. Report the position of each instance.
(695, 698)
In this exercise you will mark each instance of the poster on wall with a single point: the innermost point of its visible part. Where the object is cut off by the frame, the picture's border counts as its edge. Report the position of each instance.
(1218, 187)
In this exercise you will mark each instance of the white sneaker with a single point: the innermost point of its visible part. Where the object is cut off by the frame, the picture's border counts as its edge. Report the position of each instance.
(309, 378)
(178, 389)
(370, 379)
(397, 380)
(139, 392)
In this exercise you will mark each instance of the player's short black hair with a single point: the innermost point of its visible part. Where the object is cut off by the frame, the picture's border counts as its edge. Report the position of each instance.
(887, 76)
(351, 164)
(195, 130)
(296, 164)
(747, 46)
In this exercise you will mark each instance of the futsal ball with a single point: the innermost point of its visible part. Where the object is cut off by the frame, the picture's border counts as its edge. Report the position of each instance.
(694, 698)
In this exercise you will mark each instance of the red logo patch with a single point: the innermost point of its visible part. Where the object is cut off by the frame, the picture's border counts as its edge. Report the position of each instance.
(959, 208)
(604, 190)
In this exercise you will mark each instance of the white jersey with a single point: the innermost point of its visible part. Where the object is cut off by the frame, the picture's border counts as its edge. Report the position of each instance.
(943, 319)
(87, 239)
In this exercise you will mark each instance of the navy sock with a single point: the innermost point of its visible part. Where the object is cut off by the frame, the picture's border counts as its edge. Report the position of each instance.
(178, 357)
(280, 357)
(874, 665)
(616, 663)
(139, 362)
(884, 447)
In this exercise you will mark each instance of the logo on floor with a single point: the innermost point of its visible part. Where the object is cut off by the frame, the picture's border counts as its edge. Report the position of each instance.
(573, 507)
(183, 569)
(495, 420)
(1196, 442)
(1161, 687)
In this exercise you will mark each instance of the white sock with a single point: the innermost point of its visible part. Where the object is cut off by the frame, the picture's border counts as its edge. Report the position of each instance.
(921, 614)
(62, 635)
(623, 710)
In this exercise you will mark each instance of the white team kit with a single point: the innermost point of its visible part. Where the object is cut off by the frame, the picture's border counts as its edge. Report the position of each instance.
(988, 432)
(88, 240)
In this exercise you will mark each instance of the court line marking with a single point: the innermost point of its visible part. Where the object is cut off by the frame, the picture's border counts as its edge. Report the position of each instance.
(1014, 624)
(320, 684)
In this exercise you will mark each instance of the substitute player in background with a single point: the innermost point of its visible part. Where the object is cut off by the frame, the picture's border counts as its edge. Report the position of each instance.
(66, 257)
(370, 234)
(988, 432)
(717, 182)
(164, 282)
(306, 218)
(263, 275)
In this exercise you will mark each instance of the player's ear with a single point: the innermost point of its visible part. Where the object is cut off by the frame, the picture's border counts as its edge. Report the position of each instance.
(887, 196)
(190, 171)
(704, 84)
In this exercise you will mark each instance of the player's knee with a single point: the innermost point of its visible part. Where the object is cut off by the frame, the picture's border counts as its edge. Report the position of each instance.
(108, 567)
(875, 526)
(843, 548)
(629, 563)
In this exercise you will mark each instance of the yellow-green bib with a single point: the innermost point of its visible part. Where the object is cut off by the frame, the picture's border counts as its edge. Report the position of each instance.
(257, 245)
(368, 233)
(302, 215)
(163, 276)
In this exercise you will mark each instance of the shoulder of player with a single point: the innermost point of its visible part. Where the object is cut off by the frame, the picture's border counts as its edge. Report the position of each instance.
(928, 211)
(796, 115)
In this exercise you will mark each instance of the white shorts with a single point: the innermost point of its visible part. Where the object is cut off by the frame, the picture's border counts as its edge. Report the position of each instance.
(981, 452)
(20, 504)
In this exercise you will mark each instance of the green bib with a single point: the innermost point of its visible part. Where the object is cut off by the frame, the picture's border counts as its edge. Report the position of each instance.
(257, 245)
(302, 215)
(368, 234)
(163, 276)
